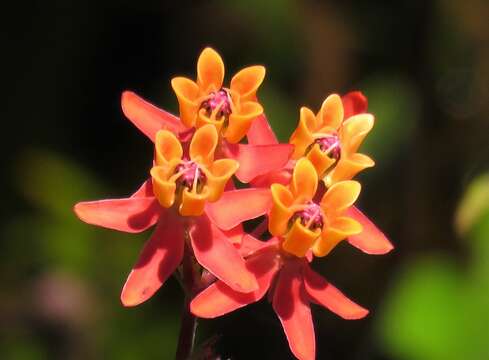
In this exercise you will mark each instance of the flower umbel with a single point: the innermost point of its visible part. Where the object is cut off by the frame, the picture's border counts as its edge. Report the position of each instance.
(302, 192)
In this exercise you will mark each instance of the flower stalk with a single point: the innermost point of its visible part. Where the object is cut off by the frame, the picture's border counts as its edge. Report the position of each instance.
(188, 322)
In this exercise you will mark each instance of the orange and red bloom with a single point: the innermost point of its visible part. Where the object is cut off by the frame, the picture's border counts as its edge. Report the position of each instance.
(206, 101)
(174, 200)
(303, 190)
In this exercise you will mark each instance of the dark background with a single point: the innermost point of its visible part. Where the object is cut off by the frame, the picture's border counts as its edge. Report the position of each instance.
(424, 66)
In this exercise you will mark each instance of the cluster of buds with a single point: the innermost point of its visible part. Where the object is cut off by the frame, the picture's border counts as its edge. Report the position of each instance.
(300, 194)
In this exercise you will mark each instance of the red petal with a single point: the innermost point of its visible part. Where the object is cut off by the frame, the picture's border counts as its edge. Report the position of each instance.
(354, 103)
(218, 255)
(323, 293)
(147, 117)
(235, 234)
(256, 160)
(292, 307)
(237, 206)
(160, 257)
(250, 245)
(260, 132)
(131, 215)
(282, 176)
(146, 190)
(219, 299)
(371, 240)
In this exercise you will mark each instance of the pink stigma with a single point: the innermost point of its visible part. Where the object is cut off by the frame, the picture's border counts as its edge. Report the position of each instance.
(219, 100)
(330, 145)
(190, 173)
(311, 217)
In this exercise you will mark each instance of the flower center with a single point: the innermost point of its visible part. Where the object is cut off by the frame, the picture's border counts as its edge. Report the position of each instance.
(191, 176)
(311, 216)
(217, 103)
(330, 145)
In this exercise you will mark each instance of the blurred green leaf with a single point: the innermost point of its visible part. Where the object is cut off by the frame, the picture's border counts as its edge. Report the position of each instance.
(437, 310)
(54, 183)
(474, 203)
(423, 316)
(22, 348)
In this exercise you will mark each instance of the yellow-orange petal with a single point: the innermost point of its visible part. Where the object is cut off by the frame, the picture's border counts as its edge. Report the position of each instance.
(203, 144)
(203, 119)
(304, 180)
(163, 188)
(320, 160)
(187, 93)
(210, 70)
(348, 167)
(354, 130)
(302, 137)
(280, 212)
(339, 197)
(240, 121)
(338, 230)
(218, 175)
(167, 147)
(331, 113)
(299, 239)
(193, 203)
(247, 81)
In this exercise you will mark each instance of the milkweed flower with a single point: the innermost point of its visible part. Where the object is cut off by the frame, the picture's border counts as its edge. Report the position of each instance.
(328, 138)
(206, 101)
(299, 225)
(306, 224)
(174, 201)
(192, 180)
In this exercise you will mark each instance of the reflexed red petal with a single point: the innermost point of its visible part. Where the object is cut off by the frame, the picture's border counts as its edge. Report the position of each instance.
(256, 160)
(323, 293)
(131, 215)
(237, 206)
(282, 176)
(147, 117)
(250, 245)
(219, 299)
(218, 255)
(145, 190)
(354, 103)
(260, 132)
(160, 257)
(235, 234)
(292, 307)
(371, 240)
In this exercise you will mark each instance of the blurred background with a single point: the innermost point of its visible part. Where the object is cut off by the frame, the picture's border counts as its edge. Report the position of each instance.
(424, 66)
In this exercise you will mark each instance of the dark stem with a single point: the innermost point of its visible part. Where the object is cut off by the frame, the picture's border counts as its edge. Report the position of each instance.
(188, 322)
(186, 338)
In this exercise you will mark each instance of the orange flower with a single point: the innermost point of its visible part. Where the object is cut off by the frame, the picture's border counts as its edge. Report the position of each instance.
(305, 224)
(231, 110)
(190, 182)
(326, 139)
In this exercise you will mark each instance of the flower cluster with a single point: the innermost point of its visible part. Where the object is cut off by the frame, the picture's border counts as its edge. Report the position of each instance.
(300, 194)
